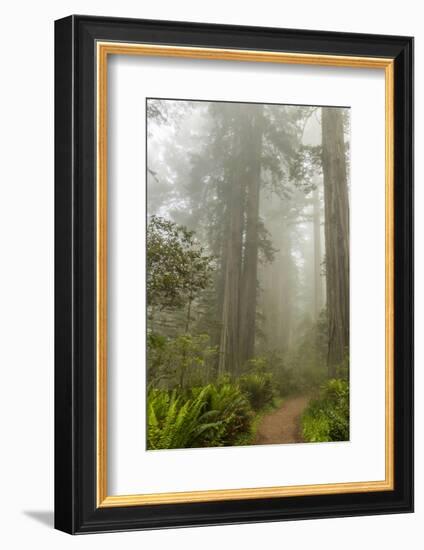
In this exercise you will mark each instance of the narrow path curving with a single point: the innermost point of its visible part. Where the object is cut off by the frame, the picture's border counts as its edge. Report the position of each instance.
(282, 425)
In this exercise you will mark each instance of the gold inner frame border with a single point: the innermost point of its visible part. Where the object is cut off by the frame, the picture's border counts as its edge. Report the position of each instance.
(103, 50)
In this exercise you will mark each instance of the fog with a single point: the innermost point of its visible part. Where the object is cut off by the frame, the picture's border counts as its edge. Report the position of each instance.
(248, 241)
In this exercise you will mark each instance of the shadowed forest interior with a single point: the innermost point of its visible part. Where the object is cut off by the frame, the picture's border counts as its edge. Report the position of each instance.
(247, 274)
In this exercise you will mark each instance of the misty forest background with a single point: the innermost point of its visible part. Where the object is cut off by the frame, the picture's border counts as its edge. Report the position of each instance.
(247, 273)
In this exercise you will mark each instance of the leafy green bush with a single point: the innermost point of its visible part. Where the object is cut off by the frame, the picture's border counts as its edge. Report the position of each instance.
(181, 361)
(327, 417)
(292, 372)
(213, 415)
(177, 267)
(299, 379)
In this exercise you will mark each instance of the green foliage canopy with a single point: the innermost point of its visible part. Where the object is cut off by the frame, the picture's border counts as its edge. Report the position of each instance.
(177, 266)
(178, 361)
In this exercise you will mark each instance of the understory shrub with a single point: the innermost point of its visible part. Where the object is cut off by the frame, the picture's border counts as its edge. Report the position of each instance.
(185, 360)
(327, 417)
(291, 373)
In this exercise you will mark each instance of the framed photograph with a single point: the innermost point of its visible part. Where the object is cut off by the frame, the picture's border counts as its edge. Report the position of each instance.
(234, 269)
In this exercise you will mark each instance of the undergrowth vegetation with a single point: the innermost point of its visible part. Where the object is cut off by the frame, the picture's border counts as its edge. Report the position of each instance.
(190, 406)
(258, 388)
(214, 415)
(327, 417)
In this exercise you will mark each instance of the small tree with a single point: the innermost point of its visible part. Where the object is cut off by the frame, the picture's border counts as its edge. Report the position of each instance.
(174, 362)
(177, 267)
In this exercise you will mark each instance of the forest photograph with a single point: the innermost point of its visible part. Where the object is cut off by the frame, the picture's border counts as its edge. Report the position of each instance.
(247, 274)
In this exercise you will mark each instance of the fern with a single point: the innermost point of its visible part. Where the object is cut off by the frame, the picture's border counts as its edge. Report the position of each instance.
(213, 415)
(259, 389)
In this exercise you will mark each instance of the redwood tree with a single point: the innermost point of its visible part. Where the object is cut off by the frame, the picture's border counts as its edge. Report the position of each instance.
(336, 206)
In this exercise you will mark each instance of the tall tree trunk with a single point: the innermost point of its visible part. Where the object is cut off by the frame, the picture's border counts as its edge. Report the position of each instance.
(229, 348)
(250, 263)
(336, 236)
(317, 254)
(287, 289)
(229, 342)
(278, 288)
(223, 342)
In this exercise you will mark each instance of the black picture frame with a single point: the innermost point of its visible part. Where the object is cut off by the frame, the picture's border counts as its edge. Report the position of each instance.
(76, 510)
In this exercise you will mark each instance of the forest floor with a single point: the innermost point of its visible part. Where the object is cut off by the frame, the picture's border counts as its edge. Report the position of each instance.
(283, 424)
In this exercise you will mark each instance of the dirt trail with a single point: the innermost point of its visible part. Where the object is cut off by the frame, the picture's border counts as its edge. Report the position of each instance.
(282, 425)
